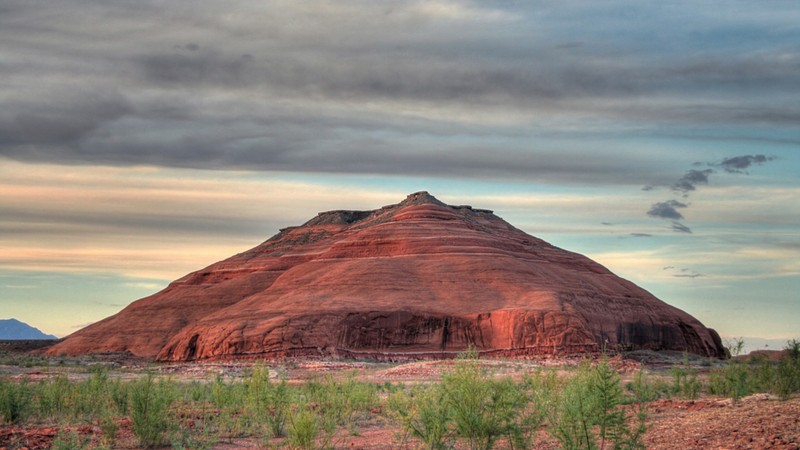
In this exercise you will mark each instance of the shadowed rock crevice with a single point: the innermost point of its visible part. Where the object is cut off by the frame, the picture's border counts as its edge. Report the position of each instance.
(416, 279)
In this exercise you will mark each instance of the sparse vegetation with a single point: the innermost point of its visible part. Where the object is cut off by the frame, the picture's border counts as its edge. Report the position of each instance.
(423, 413)
(787, 377)
(483, 409)
(589, 410)
(471, 406)
(303, 428)
(14, 401)
(684, 380)
(150, 403)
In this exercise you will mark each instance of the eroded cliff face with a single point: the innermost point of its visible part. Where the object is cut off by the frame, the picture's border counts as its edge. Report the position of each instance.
(417, 279)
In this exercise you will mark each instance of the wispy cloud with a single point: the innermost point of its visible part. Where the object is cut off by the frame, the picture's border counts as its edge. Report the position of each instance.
(149, 223)
(683, 272)
(694, 178)
(681, 228)
(145, 285)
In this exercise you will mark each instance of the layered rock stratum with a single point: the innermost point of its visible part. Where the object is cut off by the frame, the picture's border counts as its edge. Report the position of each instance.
(418, 279)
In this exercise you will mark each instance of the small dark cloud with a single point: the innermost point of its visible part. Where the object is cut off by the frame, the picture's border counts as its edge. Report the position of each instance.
(649, 187)
(608, 224)
(740, 164)
(192, 47)
(680, 228)
(688, 273)
(570, 45)
(198, 67)
(690, 180)
(683, 272)
(641, 234)
(667, 210)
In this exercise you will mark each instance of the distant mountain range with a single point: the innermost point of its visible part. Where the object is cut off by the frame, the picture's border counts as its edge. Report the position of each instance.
(13, 329)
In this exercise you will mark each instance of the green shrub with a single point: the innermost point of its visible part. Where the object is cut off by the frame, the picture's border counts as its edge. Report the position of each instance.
(572, 410)
(108, 424)
(684, 380)
(150, 403)
(530, 413)
(55, 398)
(197, 392)
(470, 404)
(643, 392)
(545, 387)
(717, 384)
(268, 402)
(424, 414)
(787, 376)
(15, 399)
(734, 346)
(737, 380)
(763, 374)
(118, 391)
(352, 402)
(341, 403)
(257, 391)
(88, 399)
(303, 429)
(586, 411)
(732, 381)
(482, 409)
(280, 401)
(605, 386)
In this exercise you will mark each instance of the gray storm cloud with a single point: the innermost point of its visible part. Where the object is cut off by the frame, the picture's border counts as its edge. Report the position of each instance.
(452, 88)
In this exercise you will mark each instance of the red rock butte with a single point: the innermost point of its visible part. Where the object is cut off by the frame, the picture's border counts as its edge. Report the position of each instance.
(419, 279)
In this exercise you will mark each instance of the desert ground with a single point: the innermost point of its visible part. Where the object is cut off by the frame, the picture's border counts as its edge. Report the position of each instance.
(675, 419)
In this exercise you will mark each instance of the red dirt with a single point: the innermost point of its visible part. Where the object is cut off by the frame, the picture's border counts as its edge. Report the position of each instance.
(756, 422)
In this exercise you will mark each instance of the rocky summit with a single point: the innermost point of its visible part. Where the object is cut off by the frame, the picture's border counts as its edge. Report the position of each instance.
(418, 279)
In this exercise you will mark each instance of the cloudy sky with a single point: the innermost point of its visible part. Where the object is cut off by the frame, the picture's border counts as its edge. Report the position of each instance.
(141, 140)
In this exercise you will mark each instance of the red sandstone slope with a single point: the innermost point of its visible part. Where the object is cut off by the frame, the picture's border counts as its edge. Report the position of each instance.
(415, 279)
